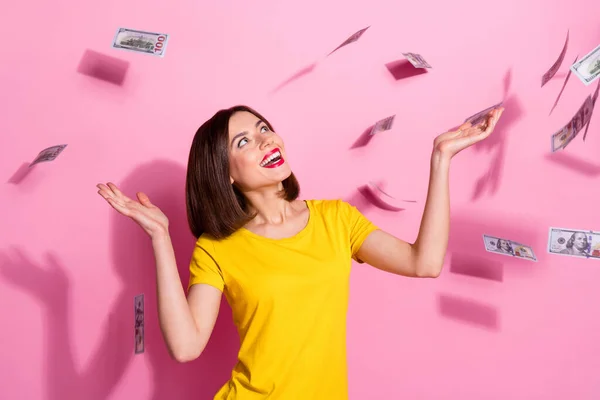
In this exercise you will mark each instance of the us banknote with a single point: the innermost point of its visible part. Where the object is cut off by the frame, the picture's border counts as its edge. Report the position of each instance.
(351, 39)
(141, 41)
(48, 154)
(567, 133)
(588, 68)
(416, 60)
(383, 125)
(138, 310)
(574, 242)
(508, 247)
(477, 118)
(554, 68)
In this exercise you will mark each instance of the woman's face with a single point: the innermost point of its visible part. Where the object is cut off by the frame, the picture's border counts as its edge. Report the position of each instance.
(257, 157)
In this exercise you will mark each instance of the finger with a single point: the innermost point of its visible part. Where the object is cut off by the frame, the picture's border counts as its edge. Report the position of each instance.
(493, 120)
(143, 198)
(465, 126)
(115, 190)
(106, 194)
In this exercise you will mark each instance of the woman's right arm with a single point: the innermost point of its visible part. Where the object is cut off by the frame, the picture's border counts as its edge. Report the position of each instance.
(186, 324)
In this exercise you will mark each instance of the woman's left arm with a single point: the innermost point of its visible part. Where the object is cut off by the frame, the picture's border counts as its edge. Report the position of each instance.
(425, 257)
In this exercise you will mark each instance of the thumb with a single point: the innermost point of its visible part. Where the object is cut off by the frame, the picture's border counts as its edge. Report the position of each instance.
(144, 199)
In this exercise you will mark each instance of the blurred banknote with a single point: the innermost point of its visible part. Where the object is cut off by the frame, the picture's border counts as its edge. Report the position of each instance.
(508, 248)
(563, 87)
(383, 125)
(594, 98)
(567, 133)
(138, 310)
(48, 154)
(141, 41)
(588, 68)
(373, 192)
(574, 242)
(416, 60)
(351, 39)
(552, 71)
(480, 116)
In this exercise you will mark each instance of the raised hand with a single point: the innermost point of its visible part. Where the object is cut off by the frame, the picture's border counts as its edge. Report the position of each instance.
(451, 143)
(144, 213)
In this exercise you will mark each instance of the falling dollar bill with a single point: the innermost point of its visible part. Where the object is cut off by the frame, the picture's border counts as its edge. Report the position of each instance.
(416, 60)
(480, 116)
(373, 192)
(563, 87)
(554, 68)
(567, 133)
(383, 125)
(594, 98)
(48, 154)
(141, 41)
(508, 248)
(139, 323)
(351, 39)
(574, 242)
(588, 68)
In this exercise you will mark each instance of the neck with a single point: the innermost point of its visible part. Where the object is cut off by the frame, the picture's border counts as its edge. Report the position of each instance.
(270, 208)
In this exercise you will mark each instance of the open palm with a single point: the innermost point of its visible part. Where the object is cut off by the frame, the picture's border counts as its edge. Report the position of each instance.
(144, 213)
(451, 143)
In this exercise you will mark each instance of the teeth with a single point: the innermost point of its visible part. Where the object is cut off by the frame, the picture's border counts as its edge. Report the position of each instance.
(271, 158)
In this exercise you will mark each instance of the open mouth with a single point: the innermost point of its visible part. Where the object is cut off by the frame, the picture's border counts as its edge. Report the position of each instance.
(273, 159)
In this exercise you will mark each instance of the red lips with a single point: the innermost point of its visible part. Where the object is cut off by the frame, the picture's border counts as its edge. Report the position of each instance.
(275, 150)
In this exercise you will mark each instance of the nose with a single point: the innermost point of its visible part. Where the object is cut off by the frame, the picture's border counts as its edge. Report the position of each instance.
(266, 142)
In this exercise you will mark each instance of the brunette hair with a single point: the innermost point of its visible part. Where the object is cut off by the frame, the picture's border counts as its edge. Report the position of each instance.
(214, 205)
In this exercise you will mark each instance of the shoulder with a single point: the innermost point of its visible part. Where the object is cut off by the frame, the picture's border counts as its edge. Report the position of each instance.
(332, 208)
(327, 205)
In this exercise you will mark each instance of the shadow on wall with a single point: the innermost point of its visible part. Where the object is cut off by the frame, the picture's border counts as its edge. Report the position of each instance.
(470, 260)
(101, 66)
(133, 261)
(489, 181)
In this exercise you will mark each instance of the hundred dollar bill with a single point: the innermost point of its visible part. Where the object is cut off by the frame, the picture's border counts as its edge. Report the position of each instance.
(383, 125)
(594, 98)
(416, 60)
(475, 119)
(567, 133)
(574, 242)
(508, 248)
(141, 41)
(48, 154)
(138, 310)
(351, 39)
(588, 68)
(554, 68)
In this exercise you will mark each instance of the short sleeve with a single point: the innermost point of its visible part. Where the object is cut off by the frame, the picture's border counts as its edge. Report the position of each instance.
(359, 227)
(204, 268)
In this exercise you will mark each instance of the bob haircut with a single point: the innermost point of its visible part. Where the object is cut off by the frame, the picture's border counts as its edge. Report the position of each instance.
(214, 205)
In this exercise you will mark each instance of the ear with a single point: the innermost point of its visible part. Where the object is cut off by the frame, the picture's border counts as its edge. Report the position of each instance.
(231, 180)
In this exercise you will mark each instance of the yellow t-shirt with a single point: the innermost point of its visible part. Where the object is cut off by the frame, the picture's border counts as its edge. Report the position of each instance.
(289, 299)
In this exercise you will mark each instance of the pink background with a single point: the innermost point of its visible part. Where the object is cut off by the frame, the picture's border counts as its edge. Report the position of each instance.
(71, 266)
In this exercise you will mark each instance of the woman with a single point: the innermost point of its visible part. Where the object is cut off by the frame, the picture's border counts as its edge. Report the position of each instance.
(282, 263)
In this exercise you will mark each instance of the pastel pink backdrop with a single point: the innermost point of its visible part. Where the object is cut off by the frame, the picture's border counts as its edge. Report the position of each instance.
(71, 267)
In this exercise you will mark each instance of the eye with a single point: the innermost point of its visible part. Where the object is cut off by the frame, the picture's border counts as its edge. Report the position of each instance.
(242, 142)
(264, 129)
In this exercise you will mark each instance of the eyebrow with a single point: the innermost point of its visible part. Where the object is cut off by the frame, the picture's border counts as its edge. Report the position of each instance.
(260, 121)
